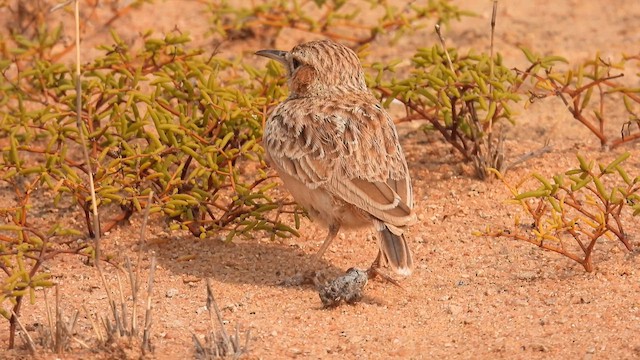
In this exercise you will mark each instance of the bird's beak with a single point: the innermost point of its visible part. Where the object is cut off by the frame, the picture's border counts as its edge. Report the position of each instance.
(277, 55)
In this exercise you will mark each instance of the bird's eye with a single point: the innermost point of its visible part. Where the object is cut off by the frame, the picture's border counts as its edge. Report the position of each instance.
(296, 63)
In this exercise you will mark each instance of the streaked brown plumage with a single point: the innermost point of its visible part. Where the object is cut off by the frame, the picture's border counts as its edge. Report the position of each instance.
(337, 151)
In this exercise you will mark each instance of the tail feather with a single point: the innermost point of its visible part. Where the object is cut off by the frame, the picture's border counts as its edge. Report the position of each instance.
(395, 250)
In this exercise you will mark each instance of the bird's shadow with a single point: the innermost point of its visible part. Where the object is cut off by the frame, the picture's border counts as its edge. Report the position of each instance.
(243, 262)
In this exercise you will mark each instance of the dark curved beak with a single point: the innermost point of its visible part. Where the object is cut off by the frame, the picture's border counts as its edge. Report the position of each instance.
(277, 55)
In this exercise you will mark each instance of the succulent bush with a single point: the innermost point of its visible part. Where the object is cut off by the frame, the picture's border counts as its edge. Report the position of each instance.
(570, 212)
(339, 20)
(466, 98)
(181, 123)
(178, 122)
(469, 98)
(584, 89)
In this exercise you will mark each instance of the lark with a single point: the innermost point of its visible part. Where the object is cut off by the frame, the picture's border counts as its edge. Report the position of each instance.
(337, 150)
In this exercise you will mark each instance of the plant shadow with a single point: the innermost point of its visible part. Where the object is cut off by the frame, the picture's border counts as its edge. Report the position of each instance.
(241, 261)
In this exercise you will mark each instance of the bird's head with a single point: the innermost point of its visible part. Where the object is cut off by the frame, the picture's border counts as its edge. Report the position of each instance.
(320, 68)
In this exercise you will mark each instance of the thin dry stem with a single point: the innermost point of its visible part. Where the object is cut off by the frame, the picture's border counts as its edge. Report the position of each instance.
(25, 334)
(219, 344)
(83, 141)
(58, 339)
(493, 30)
(211, 303)
(528, 156)
(96, 329)
(48, 311)
(122, 318)
(135, 280)
(146, 346)
(491, 63)
(85, 153)
(444, 47)
(135, 286)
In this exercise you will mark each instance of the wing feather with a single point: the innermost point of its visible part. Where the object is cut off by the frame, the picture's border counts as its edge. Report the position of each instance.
(350, 148)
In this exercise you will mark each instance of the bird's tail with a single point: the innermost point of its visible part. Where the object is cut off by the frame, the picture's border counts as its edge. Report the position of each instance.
(394, 249)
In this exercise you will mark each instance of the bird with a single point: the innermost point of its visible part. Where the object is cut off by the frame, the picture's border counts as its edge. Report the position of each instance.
(337, 151)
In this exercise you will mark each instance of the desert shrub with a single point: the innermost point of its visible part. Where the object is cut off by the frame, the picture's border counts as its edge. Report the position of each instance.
(182, 123)
(585, 88)
(469, 98)
(569, 213)
(339, 20)
(462, 96)
(179, 122)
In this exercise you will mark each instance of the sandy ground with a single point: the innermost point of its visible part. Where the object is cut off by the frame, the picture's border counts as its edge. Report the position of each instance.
(468, 297)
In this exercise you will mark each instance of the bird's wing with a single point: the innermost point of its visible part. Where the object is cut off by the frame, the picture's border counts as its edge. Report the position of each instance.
(350, 149)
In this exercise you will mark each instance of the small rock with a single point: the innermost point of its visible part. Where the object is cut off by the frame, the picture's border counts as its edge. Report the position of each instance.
(188, 279)
(201, 309)
(584, 299)
(539, 348)
(520, 302)
(550, 301)
(527, 275)
(355, 339)
(171, 293)
(454, 310)
(230, 307)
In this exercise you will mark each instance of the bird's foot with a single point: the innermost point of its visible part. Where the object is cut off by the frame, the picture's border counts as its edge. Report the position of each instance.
(374, 271)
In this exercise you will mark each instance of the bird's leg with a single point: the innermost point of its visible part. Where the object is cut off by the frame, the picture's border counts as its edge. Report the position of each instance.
(376, 263)
(333, 232)
(310, 275)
